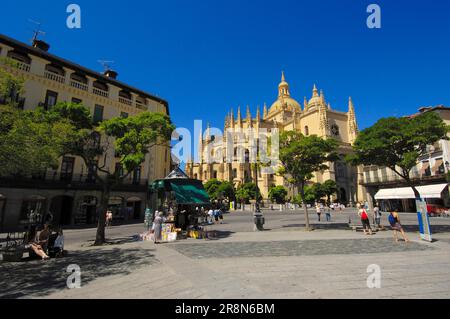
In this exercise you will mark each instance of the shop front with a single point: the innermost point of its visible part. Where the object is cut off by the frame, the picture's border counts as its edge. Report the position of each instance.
(403, 199)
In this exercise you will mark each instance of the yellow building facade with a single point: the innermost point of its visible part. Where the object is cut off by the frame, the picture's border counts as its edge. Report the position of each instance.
(70, 193)
(315, 117)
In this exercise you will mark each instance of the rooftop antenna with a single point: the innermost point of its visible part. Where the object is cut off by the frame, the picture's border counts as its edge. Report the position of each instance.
(37, 31)
(106, 64)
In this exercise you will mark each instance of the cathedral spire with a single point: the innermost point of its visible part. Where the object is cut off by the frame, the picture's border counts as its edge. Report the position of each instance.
(352, 124)
(258, 115)
(283, 88)
(315, 91)
(265, 110)
(232, 119)
(305, 103)
(249, 116)
(239, 117)
(324, 122)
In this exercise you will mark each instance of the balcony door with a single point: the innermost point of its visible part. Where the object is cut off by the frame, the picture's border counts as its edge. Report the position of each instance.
(67, 168)
(50, 99)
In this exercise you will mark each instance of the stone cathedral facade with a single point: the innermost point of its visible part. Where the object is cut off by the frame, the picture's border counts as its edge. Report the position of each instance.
(316, 117)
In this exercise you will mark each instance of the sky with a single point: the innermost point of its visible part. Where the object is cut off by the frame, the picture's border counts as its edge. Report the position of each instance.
(207, 57)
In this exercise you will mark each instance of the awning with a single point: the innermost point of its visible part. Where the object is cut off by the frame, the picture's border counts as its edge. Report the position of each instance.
(188, 192)
(429, 191)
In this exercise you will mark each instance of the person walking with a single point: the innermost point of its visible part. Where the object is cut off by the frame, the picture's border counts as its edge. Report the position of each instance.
(394, 220)
(362, 213)
(157, 228)
(318, 211)
(377, 215)
(328, 213)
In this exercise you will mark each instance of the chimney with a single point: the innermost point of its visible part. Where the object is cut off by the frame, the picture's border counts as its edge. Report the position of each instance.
(41, 45)
(111, 74)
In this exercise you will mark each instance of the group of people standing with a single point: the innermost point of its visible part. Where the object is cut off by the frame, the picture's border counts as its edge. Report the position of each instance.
(393, 218)
(327, 209)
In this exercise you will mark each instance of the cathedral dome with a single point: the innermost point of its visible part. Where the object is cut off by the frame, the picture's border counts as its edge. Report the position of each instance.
(284, 99)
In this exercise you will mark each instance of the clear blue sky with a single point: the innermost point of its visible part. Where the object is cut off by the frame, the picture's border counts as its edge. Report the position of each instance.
(206, 57)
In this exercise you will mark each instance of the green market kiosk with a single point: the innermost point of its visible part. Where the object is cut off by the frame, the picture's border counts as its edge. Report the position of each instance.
(179, 198)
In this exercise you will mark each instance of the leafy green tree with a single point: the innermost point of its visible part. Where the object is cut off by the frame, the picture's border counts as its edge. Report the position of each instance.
(30, 142)
(11, 86)
(127, 139)
(398, 143)
(278, 194)
(317, 191)
(301, 156)
(309, 198)
(212, 187)
(247, 192)
(329, 188)
(226, 190)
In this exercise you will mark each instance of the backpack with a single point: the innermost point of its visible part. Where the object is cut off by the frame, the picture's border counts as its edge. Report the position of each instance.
(364, 215)
(392, 220)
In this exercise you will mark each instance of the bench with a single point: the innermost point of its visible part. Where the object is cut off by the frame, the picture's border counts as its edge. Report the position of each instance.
(12, 248)
(355, 228)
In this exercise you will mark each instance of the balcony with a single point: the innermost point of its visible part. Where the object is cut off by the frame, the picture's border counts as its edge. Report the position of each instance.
(54, 77)
(23, 66)
(55, 180)
(100, 92)
(125, 101)
(79, 85)
(394, 179)
(141, 106)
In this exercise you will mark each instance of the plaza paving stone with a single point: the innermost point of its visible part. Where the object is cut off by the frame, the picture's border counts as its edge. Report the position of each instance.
(297, 248)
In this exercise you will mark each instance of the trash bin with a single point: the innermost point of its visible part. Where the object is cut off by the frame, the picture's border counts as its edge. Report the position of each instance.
(259, 221)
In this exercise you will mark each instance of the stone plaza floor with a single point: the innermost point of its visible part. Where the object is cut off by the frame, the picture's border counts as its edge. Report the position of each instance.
(283, 262)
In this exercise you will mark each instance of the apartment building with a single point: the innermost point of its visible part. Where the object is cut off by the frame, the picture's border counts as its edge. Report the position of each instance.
(71, 193)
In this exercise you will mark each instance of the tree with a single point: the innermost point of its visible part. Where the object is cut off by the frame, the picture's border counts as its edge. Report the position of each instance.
(398, 143)
(11, 87)
(278, 194)
(329, 188)
(212, 187)
(30, 142)
(301, 156)
(226, 190)
(127, 139)
(247, 192)
(309, 198)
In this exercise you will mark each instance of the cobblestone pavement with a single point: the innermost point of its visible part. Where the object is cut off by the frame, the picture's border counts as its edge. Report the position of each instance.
(283, 262)
(297, 248)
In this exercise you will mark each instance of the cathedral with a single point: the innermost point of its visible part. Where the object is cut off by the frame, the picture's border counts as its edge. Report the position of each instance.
(316, 117)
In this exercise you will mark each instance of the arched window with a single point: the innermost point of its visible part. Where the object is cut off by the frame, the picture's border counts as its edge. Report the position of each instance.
(306, 131)
(247, 156)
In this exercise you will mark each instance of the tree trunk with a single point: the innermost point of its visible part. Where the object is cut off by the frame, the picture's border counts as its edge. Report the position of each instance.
(100, 238)
(305, 207)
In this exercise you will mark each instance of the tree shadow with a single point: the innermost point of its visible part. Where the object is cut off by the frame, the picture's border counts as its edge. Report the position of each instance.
(324, 226)
(38, 278)
(220, 234)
